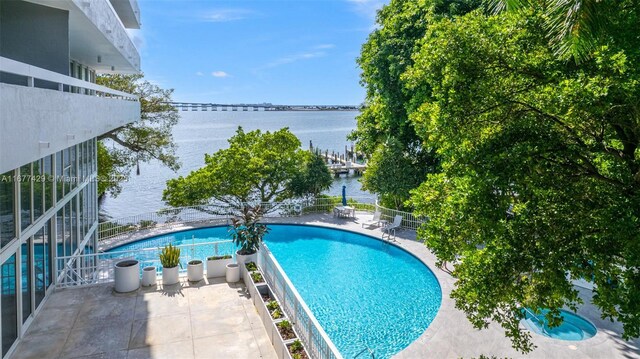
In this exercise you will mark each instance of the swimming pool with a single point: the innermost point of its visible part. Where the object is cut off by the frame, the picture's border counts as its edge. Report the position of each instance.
(365, 293)
(573, 326)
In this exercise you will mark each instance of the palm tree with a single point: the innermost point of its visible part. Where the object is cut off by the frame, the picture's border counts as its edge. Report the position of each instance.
(573, 26)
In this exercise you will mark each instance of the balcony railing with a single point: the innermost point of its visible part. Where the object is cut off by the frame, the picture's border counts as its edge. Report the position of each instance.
(97, 268)
(63, 82)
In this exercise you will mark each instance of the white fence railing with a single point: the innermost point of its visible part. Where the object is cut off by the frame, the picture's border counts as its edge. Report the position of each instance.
(123, 228)
(310, 332)
(96, 268)
(37, 73)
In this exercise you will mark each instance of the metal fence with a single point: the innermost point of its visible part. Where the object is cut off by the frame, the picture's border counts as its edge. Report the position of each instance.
(122, 228)
(311, 334)
(96, 268)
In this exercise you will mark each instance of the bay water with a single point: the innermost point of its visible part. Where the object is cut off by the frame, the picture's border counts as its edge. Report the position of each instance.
(200, 132)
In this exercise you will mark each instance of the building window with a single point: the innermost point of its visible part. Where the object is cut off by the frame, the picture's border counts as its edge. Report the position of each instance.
(48, 183)
(58, 179)
(40, 265)
(26, 213)
(25, 268)
(9, 304)
(7, 204)
(37, 186)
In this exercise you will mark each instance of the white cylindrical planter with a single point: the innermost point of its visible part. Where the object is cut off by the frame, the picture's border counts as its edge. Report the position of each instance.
(195, 270)
(233, 273)
(149, 276)
(217, 267)
(170, 275)
(127, 275)
(241, 259)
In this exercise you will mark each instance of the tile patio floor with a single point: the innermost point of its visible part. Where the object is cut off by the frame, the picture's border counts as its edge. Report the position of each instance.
(211, 319)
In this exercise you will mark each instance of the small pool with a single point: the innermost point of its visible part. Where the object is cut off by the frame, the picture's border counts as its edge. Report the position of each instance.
(573, 326)
(366, 293)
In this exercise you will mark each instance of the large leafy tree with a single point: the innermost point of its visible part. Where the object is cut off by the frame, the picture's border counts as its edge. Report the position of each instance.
(574, 28)
(257, 167)
(313, 178)
(540, 178)
(122, 149)
(384, 119)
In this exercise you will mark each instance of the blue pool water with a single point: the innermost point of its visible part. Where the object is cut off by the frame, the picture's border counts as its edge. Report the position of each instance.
(573, 326)
(364, 292)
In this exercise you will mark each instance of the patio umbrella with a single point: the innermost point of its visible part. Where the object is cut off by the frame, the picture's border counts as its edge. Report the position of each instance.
(344, 195)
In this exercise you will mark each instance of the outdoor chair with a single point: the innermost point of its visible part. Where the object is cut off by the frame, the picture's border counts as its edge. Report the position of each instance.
(388, 230)
(376, 221)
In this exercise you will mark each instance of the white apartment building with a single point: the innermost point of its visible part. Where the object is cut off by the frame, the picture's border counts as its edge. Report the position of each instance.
(51, 112)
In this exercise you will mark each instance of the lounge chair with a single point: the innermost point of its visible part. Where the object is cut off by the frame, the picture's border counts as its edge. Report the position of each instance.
(376, 221)
(397, 220)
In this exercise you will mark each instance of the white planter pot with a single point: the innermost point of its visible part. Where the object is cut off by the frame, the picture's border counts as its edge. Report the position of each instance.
(241, 259)
(217, 267)
(149, 276)
(233, 273)
(127, 275)
(170, 275)
(195, 270)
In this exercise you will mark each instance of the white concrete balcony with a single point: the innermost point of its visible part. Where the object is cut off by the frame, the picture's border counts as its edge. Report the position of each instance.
(128, 11)
(97, 35)
(36, 122)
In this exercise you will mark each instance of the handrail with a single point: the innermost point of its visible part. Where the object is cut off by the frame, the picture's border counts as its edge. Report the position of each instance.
(97, 268)
(329, 351)
(33, 72)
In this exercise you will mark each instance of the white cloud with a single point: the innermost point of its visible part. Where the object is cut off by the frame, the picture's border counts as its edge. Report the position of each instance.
(295, 58)
(219, 74)
(199, 73)
(225, 15)
(367, 8)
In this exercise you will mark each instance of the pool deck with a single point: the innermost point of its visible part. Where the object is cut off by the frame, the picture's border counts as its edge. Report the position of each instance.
(211, 320)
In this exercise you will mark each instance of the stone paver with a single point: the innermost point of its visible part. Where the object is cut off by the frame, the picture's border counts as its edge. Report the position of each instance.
(210, 319)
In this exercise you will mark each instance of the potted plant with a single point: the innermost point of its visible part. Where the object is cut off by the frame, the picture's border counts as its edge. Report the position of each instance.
(296, 350)
(170, 260)
(286, 334)
(247, 233)
(217, 265)
(257, 278)
(195, 270)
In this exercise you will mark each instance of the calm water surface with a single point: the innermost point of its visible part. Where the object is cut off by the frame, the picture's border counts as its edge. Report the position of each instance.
(200, 132)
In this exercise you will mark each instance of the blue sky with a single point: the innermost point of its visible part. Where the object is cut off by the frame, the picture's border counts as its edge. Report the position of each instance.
(283, 52)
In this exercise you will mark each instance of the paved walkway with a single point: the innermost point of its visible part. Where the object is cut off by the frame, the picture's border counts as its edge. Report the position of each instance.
(211, 319)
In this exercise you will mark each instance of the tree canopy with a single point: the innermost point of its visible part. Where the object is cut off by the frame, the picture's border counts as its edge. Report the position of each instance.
(385, 56)
(313, 178)
(122, 149)
(518, 127)
(257, 167)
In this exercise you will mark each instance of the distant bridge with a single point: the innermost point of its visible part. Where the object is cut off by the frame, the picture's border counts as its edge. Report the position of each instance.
(194, 106)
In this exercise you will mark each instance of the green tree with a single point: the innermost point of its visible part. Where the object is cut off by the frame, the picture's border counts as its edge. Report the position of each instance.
(257, 167)
(393, 173)
(384, 58)
(553, 143)
(123, 148)
(314, 177)
(574, 28)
